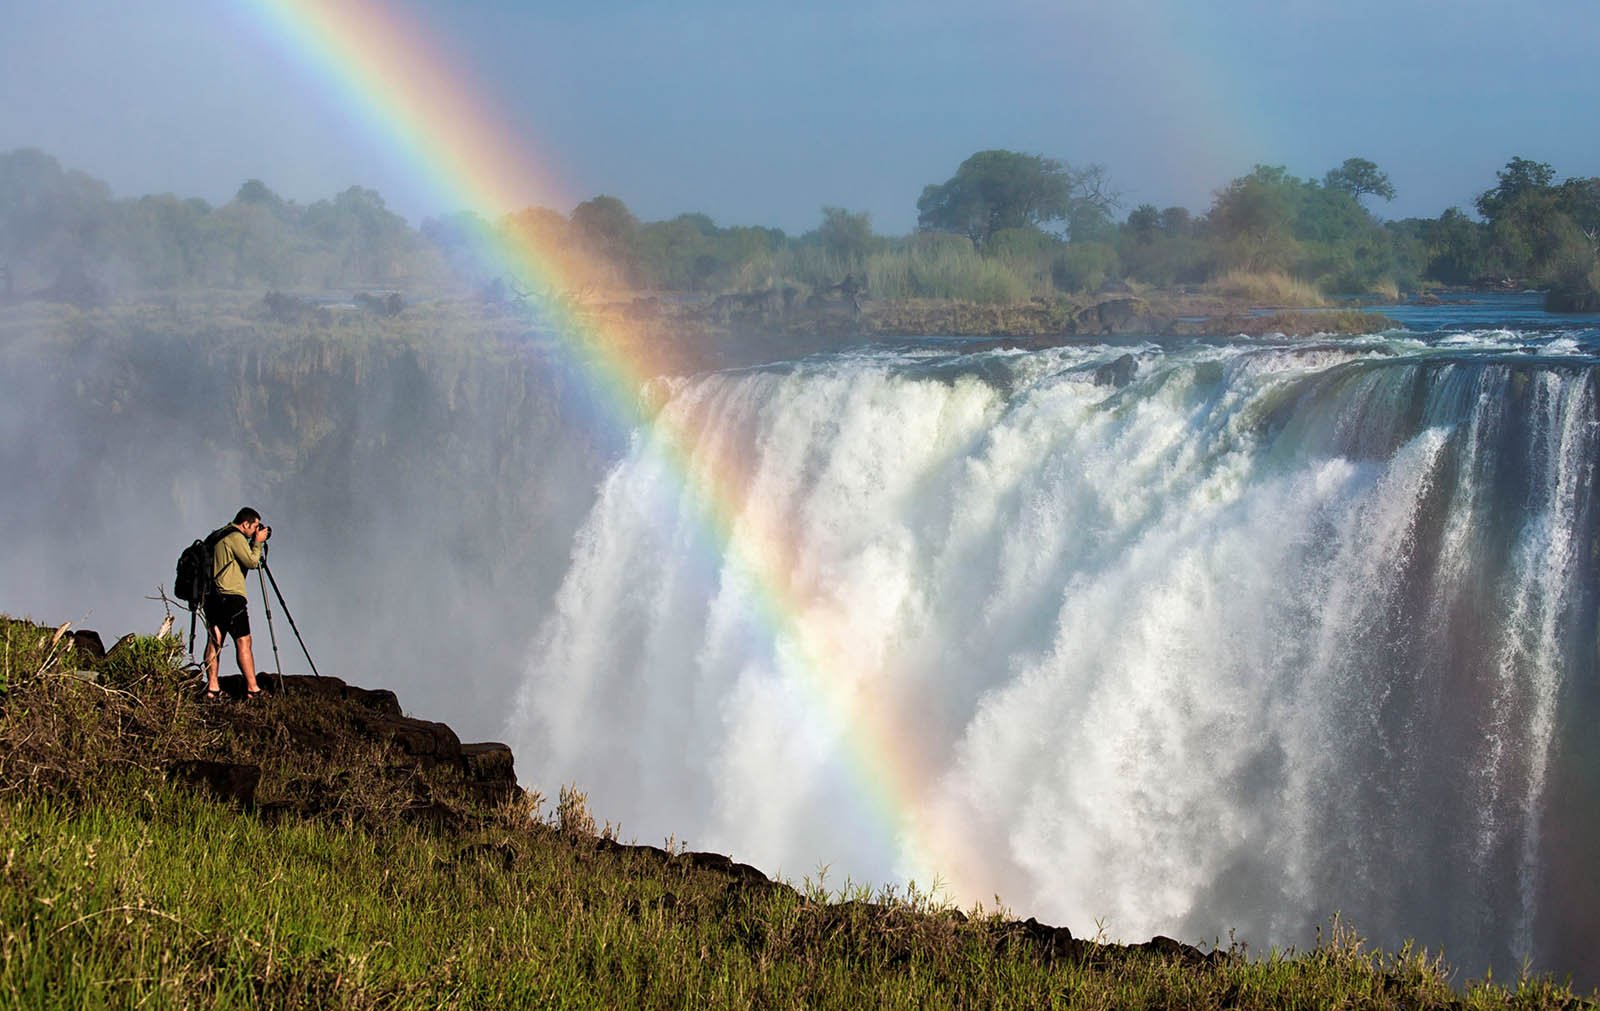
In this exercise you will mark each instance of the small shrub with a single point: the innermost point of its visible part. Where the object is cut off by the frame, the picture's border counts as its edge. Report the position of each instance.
(572, 812)
(1084, 266)
(1271, 287)
(30, 651)
(140, 656)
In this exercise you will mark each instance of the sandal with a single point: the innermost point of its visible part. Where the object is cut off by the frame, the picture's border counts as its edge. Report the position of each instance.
(211, 695)
(252, 696)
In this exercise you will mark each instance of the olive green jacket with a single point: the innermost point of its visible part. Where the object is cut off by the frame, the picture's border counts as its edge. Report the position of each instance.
(232, 555)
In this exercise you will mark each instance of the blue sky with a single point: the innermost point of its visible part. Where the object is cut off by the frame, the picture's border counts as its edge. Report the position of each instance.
(761, 113)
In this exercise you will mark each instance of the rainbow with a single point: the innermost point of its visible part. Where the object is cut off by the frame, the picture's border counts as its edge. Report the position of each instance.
(394, 75)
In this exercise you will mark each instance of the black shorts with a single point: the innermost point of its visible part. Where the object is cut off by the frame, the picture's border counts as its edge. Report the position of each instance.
(228, 612)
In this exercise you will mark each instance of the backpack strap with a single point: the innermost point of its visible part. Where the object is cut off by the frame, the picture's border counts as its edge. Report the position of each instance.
(212, 540)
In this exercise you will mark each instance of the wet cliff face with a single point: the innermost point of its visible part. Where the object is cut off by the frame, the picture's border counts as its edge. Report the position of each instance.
(423, 497)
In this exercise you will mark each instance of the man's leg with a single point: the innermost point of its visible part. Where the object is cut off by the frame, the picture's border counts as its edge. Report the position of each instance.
(247, 662)
(213, 658)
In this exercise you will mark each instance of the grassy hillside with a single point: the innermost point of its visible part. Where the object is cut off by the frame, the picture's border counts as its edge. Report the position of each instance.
(320, 849)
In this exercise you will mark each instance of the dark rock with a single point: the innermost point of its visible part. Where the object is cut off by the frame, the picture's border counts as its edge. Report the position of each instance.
(1113, 317)
(720, 864)
(488, 762)
(1176, 950)
(379, 700)
(490, 768)
(1049, 942)
(419, 738)
(1118, 373)
(88, 643)
(226, 781)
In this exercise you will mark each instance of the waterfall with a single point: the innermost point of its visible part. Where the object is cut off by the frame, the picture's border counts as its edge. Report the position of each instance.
(1265, 632)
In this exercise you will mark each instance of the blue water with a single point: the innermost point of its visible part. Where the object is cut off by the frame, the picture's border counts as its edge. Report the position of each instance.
(1519, 311)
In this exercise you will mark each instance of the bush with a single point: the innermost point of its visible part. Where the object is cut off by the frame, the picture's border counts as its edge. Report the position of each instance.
(1269, 287)
(1167, 261)
(140, 656)
(948, 267)
(1084, 266)
(30, 651)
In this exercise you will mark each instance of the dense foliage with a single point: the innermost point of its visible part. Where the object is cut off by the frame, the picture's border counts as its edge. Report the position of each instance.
(1006, 227)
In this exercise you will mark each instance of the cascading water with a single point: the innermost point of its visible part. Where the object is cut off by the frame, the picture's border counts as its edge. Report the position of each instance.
(1181, 639)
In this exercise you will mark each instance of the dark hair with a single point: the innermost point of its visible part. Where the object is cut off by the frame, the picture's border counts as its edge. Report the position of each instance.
(245, 515)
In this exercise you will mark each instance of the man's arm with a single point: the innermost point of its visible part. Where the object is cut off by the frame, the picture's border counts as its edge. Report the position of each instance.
(250, 556)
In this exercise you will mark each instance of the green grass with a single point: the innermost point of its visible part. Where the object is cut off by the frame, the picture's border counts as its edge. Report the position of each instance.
(119, 888)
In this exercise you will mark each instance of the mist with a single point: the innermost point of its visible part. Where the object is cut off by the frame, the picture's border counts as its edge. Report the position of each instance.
(423, 502)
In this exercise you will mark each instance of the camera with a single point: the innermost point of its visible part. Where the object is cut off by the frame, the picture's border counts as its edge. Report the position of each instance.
(266, 532)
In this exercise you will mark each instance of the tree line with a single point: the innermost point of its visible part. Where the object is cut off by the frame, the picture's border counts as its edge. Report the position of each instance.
(1006, 226)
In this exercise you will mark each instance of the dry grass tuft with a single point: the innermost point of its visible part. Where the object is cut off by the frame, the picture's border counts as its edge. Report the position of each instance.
(1271, 287)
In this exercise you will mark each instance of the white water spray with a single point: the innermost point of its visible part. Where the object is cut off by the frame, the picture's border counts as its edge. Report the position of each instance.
(1266, 634)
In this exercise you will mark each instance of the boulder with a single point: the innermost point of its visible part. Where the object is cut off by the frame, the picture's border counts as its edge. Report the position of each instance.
(88, 643)
(490, 768)
(233, 782)
(424, 739)
(1118, 373)
(1050, 943)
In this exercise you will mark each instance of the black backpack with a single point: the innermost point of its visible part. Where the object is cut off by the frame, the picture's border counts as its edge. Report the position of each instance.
(193, 579)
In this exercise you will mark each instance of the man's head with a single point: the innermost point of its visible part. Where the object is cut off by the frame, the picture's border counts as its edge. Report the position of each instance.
(249, 522)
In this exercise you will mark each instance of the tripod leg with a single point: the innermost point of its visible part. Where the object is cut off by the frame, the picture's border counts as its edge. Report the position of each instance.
(287, 614)
(272, 632)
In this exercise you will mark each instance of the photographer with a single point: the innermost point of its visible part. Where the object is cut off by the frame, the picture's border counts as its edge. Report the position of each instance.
(237, 548)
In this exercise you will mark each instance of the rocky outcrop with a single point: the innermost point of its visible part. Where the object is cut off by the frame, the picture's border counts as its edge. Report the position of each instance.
(427, 776)
(1116, 317)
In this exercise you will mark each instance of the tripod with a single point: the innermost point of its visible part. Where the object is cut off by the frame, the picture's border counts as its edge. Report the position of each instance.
(272, 631)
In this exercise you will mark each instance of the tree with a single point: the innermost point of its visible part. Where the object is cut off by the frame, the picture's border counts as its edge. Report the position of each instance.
(254, 191)
(611, 230)
(1359, 177)
(1089, 205)
(1518, 179)
(676, 255)
(51, 220)
(1253, 218)
(1454, 248)
(845, 235)
(993, 190)
(1580, 201)
(1144, 222)
(1177, 223)
(373, 244)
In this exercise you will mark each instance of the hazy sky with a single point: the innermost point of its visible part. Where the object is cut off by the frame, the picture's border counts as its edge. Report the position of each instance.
(761, 113)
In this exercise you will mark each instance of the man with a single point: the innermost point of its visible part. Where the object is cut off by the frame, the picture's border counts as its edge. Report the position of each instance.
(236, 548)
